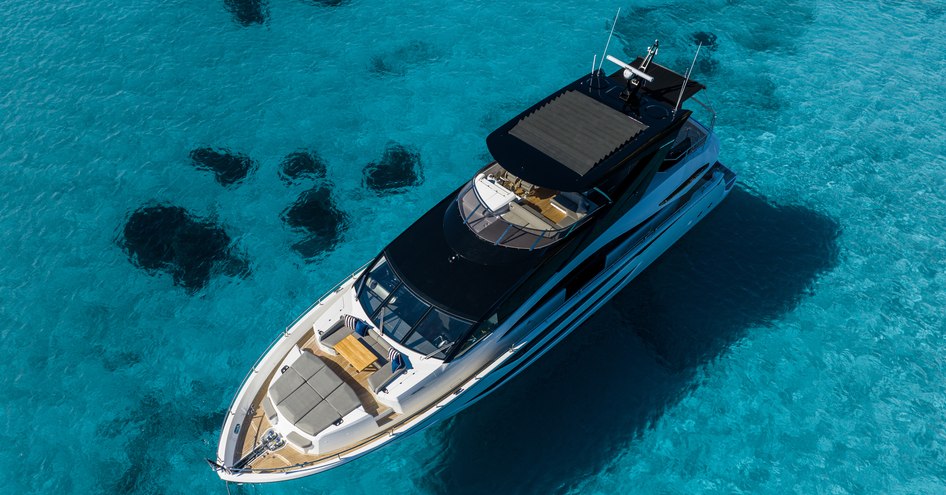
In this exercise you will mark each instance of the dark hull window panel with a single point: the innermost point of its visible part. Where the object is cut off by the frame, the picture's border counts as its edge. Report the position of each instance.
(580, 277)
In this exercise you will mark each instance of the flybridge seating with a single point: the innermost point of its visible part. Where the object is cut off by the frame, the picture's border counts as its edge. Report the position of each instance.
(506, 210)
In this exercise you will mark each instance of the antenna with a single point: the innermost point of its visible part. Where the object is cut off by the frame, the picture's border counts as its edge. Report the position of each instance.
(594, 62)
(651, 53)
(606, 45)
(686, 80)
(630, 71)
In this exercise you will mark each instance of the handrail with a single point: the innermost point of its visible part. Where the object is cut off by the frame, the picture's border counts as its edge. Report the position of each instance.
(389, 432)
(510, 227)
(476, 377)
(334, 289)
(710, 109)
(697, 145)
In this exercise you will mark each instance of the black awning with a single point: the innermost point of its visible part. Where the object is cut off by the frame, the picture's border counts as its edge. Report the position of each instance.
(576, 130)
(666, 84)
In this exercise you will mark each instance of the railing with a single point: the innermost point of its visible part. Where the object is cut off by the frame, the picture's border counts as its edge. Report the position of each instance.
(703, 133)
(534, 238)
(391, 432)
(284, 333)
(709, 109)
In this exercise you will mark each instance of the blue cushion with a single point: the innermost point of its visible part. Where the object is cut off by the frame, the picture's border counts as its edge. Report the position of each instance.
(361, 328)
(397, 362)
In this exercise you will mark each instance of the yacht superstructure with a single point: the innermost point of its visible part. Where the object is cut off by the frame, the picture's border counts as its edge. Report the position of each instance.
(586, 188)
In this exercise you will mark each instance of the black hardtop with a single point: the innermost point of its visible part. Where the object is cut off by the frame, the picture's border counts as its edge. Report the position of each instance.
(571, 139)
(441, 260)
(446, 264)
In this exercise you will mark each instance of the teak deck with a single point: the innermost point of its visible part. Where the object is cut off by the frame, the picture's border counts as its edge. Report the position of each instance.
(541, 200)
(256, 424)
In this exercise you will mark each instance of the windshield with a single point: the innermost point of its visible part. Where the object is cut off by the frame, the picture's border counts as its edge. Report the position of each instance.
(401, 312)
(504, 210)
(405, 317)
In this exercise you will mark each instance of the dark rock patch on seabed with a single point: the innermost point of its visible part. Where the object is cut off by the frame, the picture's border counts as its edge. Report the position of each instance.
(115, 359)
(316, 214)
(301, 165)
(175, 425)
(706, 38)
(248, 12)
(166, 238)
(229, 168)
(328, 3)
(398, 169)
(398, 61)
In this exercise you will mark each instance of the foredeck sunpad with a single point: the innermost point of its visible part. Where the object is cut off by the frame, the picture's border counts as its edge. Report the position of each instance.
(319, 418)
(343, 400)
(297, 405)
(307, 365)
(312, 404)
(285, 385)
(325, 382)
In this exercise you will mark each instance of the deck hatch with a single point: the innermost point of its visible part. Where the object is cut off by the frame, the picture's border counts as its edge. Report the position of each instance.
(576, 130)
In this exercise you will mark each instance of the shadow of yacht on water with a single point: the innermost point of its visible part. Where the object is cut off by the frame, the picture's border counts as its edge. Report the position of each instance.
(747, 264)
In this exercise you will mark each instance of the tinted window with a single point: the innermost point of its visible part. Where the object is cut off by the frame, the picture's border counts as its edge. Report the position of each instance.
(437, 331)
(578, 278)
(400, 313)
(485, 328)
(379, 283)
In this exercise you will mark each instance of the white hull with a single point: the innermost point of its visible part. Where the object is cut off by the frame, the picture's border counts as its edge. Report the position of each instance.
(513, 346)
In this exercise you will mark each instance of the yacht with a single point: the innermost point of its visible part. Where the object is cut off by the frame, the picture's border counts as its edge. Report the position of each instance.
(585, 189)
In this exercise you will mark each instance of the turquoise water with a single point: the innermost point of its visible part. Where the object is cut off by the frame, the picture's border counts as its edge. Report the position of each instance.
(790, 343)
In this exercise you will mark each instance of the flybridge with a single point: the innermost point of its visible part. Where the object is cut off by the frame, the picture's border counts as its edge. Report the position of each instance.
(570, 140)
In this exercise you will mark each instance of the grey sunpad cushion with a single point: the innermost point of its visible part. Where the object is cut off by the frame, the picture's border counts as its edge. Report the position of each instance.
(385, 375)
(335, 334)
(379, 346)
(343, 400)
(299, 403)
(285, 385)
(325, 382)
(299, 440)
(319, 418)
(269, 408)
(308, 365)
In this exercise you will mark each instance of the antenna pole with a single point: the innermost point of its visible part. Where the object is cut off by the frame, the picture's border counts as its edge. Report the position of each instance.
(606, 45)
(686, 80)
(594, 62)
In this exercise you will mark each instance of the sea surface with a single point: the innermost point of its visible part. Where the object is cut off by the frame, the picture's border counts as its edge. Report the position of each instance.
(791, 343)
